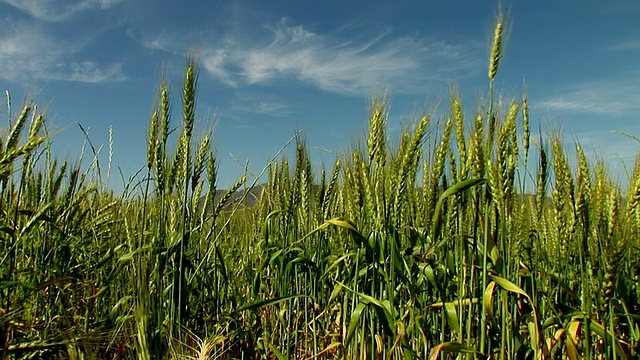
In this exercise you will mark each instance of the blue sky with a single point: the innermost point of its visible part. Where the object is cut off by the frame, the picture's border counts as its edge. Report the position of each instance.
(269, 68)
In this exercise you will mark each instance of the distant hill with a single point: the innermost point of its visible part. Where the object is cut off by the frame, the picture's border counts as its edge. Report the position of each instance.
(253, 195)
(251, 199)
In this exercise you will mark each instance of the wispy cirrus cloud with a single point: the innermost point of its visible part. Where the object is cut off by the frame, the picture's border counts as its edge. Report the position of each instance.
(264, 107)
(90, 72)
(618, 152)
(633, 44)
(28, 52)
(344, 62)
(58, 10)
(607, 97)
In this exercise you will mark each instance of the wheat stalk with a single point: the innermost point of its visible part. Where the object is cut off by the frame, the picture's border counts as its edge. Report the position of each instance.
(496, 47)
(458, 119)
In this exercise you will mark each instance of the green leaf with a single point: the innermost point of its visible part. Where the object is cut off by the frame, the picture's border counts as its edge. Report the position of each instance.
(130, 255)
(266, 225)
(354, 322)
(457, 188)
(337, 262)
(487, 299)
(509, 286)
(534, 325)
(452, 317)
(608, 337)
(335, 293)
(275, 351)
(386, 314)
(263, 303)
(430, 274)
(343, 223)
(37, 217)
(107, 256)
(115, 310)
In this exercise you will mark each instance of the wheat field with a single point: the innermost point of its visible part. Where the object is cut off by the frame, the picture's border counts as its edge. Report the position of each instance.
(428, 246)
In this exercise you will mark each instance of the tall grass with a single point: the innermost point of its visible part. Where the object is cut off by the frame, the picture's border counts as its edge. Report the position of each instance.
(431, 249)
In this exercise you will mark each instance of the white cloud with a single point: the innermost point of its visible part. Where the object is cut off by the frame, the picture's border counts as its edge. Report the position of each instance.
(58, 10)
(91, 72)
(214, 62)
(265, 107)
(633, 44)
(250, 102)
(28, 53)
(342, 62)
(607, 97)
(617, 151)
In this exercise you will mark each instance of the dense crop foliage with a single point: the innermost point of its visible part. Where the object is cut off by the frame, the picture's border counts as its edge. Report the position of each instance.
(427, 247)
